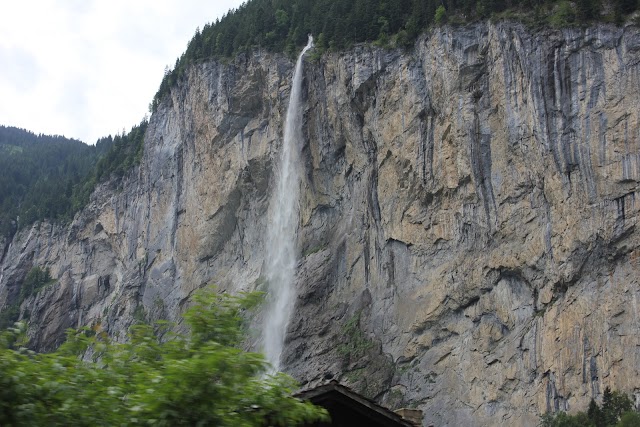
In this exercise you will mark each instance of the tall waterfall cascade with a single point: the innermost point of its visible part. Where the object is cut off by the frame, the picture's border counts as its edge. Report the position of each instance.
(283, 225)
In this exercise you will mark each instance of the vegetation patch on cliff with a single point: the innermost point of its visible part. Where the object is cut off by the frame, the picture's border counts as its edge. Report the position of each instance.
(37, 279)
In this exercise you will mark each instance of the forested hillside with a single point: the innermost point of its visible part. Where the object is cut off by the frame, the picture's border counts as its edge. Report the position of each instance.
(283, 25)
(52, 177)
(39, 173)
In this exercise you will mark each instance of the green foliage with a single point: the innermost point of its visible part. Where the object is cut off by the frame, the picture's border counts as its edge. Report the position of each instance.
(595, 413)
(52, 177)
(314, 249)
(124, 153)
(616, 411)
(441, 15)
(629, 419)
(283, 26)
(202, 378)
(36, 279)
(117, 155)
(624, 7)
(355, 342)
(9, 315)
(39, 177)
(402, 39)
(140, 314)
(614, 404)
(563, 15)
(219, 317)
(587, 10)
(562, 419)
(355, 375)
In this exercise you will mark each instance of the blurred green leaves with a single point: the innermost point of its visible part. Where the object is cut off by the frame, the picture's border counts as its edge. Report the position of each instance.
(202, 378)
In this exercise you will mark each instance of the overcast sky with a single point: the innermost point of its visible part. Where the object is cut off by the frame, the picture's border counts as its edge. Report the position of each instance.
(89, 68)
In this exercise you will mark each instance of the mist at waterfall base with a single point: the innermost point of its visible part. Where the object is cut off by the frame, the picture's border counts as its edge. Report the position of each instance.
(283, 225)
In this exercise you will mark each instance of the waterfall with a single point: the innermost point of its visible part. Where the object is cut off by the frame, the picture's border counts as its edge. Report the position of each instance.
(282, 226)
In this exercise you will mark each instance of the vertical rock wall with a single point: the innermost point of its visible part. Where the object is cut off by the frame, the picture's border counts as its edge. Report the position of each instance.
(468, 212)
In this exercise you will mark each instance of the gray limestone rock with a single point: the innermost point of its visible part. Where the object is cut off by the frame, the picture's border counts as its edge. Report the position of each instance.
(467, 219)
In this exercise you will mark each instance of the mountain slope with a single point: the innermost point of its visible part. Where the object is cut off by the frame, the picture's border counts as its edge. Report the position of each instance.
(38, 176)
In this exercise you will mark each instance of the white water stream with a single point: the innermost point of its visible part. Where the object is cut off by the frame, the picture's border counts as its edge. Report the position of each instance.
(283, 225)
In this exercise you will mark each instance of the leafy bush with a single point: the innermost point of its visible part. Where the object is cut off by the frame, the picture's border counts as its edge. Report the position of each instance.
(441, 15)
(200, 378)
(9, 315)
(563, 15)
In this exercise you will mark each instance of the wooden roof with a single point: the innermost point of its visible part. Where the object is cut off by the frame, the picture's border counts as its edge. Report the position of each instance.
(348, 408)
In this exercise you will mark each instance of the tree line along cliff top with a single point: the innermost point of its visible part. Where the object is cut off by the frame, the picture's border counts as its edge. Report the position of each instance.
(283, 25)
(47, 177)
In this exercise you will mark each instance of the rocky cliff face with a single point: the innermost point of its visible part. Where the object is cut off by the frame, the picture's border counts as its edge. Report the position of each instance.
(468, 240)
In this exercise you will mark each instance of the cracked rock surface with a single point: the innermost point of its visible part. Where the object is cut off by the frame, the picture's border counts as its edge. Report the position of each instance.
(467, 219)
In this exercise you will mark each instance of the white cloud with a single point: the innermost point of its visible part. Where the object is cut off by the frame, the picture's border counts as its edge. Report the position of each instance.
(89, 68)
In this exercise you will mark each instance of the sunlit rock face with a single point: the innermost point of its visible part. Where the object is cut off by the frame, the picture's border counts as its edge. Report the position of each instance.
(467, 240)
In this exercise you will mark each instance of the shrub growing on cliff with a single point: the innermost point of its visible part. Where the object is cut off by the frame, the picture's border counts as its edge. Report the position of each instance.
(202, 378)
(37, 278)
(441, 15)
